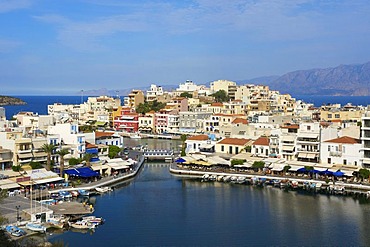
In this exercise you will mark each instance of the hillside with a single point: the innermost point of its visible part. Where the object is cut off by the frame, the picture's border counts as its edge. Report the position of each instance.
(353, 80)
(8, 100)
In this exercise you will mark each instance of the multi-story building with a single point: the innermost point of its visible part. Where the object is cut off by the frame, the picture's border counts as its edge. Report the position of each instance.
(154, 92)
(308, 142)
(335, 112)
(178, 103)
(287, 141)
(68, 135)
(191, 122)
(341, 151)
(234, 107)
(134, 99)
(147, 123)
(365, 139)
(6, 158)
(188, 86)
(228, 86)
(127, 122)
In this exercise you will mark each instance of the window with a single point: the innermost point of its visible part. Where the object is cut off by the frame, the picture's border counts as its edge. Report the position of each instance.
(328, 148)
(330, 116)
(222, 148)
(308, 127)
(337, 115)
(344, 162)
(329, 160)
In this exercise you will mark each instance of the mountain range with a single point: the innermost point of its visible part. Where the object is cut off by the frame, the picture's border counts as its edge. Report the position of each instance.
(351, 80)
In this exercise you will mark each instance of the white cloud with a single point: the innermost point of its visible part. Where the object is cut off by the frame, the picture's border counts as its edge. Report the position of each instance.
(10, 5)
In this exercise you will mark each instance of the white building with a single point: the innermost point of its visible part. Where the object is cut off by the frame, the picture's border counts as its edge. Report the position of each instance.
(365, 139)
(343, 151)
(68, 134)
(153, 93)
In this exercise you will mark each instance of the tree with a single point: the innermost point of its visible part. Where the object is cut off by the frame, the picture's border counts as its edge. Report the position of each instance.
(237, 162)
(87, 158)
(221, 96)
(113, 151)
(35, 165)
(149, 106)
(364, 173)
(186, 95)
(74, 161)
(183, 139)
(48, 149)
(248, 149)
(258, 165)
(286, 168)
(62, 152)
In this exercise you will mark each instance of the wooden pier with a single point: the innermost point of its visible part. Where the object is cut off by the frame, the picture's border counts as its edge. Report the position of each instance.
(159, 155)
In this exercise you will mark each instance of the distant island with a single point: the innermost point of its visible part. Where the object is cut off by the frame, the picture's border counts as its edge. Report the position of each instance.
(8, 100)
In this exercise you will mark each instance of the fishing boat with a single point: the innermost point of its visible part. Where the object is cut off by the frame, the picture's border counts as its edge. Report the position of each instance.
(15, 231)
(94, 220)
(103, 189)
(36, 227)
(82, 224)
(82, 192)
(65, 194)
(56, 223)
(75, 193)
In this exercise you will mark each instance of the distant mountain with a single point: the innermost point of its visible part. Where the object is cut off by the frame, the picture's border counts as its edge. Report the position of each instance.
(8, 100)
(259, 80)
(351, 80)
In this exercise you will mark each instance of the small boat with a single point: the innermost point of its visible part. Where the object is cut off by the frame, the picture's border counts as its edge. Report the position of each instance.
(103, 189)
(94, 220)
(294, 184)
(55, 223)
(240, 180)
(205, 177)
(36, 227)
(65, 194)
(220, 178)
(82, 192)
(15, 231)
(74, 193)
(227, 179)
(233, 179)
(81, 224)
(135, 136)
(212, 178)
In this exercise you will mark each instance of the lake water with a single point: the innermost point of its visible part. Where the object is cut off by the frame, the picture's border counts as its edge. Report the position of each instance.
(160, 209)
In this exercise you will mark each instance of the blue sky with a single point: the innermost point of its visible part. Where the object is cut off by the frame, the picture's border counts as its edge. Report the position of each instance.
(62, 47)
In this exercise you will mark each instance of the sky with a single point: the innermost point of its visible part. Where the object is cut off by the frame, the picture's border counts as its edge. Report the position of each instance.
(63, 47)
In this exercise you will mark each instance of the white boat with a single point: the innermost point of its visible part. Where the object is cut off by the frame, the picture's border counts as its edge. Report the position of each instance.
(82, 224)
(36, 227)
(135, 136)
(103, 189)
(240, 180)
(56, 223)
(93, 220)
(15, 231)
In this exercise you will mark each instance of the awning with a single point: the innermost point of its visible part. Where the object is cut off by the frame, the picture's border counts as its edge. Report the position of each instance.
(38, 144)
(288, 138)
(294, 168)
(100, 167)
(277, 167)
(48, 180)
(118, 166)
(302, 155)
(25, 155)
(8, 184)
(311, 156)
(40, 154)
(348, 173)
(206, 146)
(288, 148)
(83, 172)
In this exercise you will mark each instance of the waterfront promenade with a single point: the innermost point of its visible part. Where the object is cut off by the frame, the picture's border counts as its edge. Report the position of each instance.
(356, 188)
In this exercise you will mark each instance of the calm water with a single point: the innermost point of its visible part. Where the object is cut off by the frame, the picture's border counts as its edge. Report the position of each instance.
(159, 209)
(39, 103)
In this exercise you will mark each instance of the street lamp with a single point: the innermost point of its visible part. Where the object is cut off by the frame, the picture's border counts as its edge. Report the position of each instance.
(17, 208)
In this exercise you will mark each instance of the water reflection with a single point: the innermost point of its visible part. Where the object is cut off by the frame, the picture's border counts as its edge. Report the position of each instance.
(159, 209)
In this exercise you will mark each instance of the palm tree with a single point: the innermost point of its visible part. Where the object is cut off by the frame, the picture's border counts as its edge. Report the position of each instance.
(61, 154)
(48, 149)
(87, 157)
(183, 139)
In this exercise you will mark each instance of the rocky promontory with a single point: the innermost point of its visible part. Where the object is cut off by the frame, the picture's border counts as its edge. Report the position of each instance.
(8, 100)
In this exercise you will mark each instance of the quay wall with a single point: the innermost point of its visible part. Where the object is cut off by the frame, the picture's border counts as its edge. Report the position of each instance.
(199, 174)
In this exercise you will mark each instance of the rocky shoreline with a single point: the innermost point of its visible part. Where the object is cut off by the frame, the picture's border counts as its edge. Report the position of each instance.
(8, 100)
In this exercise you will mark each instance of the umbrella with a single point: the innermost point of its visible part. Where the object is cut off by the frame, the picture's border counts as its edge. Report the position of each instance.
(327, 172)
(180, 160)
(338, 173)
(302, 170)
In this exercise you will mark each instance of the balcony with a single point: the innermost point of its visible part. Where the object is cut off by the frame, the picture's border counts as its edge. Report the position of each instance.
(24, 151)
(335, 154)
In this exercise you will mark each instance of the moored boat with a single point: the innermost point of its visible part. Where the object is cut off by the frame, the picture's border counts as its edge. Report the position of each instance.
(15, 231)
(82, 192)
(103, 189)
(94, 220)
(36, 227)
(135, 136)
(81, 224)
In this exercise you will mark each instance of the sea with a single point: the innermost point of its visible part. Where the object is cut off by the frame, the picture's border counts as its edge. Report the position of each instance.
(39, 104)
(157, 208)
